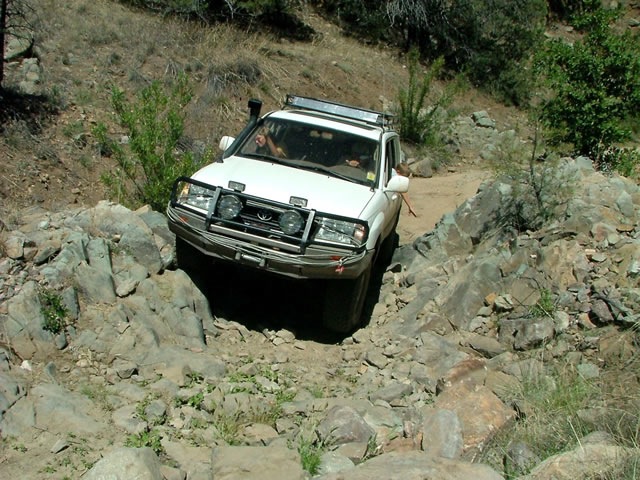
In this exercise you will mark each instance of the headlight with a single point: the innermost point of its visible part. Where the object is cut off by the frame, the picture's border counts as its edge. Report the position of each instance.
(195, 196)
(229, 207)
(291, 222)
(341, 231)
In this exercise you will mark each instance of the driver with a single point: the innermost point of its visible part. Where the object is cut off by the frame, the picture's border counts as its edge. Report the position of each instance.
(265, 145)
(360, 155)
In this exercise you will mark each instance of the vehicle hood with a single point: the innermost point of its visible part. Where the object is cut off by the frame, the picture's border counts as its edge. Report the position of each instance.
(279, 182)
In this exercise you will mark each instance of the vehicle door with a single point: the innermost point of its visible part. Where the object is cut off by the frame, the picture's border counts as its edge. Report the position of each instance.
(392, 200)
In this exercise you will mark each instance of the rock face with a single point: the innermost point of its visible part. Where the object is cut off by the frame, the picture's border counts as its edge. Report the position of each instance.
(112, 363)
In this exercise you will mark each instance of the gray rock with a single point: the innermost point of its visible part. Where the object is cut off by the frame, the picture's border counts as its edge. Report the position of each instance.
(442, 433)
(343, 424)
(585, 461)
(11, 390)
(333, 462)
(519, 459)
(392, 391)
(414, 466)
(94, 284)
(126, 463)
(256, 463)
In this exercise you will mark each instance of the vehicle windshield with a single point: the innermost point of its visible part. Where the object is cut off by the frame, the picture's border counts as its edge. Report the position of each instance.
(331, 152)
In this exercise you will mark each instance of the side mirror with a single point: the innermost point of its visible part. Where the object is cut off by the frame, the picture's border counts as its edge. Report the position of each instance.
(398, 183)
(225, 142)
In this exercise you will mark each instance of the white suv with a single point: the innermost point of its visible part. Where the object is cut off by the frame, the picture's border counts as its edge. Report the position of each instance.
(309, 191)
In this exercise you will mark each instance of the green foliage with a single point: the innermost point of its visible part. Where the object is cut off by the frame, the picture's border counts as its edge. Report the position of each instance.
(489, 40)
(545, 306)
(152, 160)
(551, 424)
(310, 455)
(595, 84)
(625, 161)
(421, 122)
(498, 38)
(362, 18)
(53, 310)
(538, 187)
(565, 9)
(146, 438)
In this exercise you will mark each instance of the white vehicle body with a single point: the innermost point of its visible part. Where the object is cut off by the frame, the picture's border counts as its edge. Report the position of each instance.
(299, 211)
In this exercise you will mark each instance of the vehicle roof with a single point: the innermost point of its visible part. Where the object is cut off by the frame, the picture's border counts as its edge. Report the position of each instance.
(330, 122)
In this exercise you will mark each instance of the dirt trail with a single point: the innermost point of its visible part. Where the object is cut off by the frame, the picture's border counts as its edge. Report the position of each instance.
(433, 197)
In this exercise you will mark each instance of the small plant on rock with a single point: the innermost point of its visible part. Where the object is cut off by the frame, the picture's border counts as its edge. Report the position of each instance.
(310, 455)
(147, 438)
(53, 310)
(545, 306)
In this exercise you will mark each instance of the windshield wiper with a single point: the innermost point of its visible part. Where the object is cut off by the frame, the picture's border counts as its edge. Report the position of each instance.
(269, 158)
(331, 173)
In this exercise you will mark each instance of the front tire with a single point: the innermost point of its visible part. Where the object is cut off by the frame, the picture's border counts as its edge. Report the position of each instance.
(388, 246)
(343, 303)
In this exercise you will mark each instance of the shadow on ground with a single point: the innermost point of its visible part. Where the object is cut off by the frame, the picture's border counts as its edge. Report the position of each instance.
(33, 110)
(261, 300)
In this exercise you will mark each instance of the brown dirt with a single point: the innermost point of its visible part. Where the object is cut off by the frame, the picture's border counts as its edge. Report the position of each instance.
(433, 197)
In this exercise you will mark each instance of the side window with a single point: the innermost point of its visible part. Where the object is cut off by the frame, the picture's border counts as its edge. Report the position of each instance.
(392, 155)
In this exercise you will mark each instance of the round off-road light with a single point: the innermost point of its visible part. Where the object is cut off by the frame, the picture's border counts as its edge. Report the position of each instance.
(291, 222)
(229, 207)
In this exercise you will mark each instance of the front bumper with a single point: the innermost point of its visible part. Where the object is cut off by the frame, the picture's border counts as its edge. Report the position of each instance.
(254, 239)
(317, 262)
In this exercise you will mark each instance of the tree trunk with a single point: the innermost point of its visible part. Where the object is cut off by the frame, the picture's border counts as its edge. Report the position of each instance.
(3, 25)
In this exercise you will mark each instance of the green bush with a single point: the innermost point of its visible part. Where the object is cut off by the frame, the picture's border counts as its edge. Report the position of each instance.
(362, 18)
(151, 160)
(595, 85)
(625, 161)
(489, 40)
(420, 112)
(53, 310)
(538, 187)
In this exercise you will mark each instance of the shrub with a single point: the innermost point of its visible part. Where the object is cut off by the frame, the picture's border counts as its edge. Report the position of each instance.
(151, 161)
(538, 187)
(625, 161)
(595, 83)
(53, 310)
(421, 122)
(490, 40)
(364, 19)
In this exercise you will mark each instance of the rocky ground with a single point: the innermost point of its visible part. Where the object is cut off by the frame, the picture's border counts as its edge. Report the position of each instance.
(114, 363)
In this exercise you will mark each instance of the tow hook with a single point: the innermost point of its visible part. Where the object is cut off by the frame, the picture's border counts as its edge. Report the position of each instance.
(240, 256)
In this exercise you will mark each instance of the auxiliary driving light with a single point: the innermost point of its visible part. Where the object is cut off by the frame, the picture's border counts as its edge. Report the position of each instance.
(291, 222)
(229, 207)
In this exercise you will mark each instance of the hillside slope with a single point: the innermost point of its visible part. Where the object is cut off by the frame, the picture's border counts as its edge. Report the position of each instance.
(84, 48)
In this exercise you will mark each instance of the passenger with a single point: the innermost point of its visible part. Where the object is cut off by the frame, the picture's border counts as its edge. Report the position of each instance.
(404, 170)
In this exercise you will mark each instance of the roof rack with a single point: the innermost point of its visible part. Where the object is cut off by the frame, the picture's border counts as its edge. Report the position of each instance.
(339, 109)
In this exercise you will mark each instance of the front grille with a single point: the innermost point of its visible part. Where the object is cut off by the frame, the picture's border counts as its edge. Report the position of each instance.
(262, 218)
(258, 216)
(257, 219)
